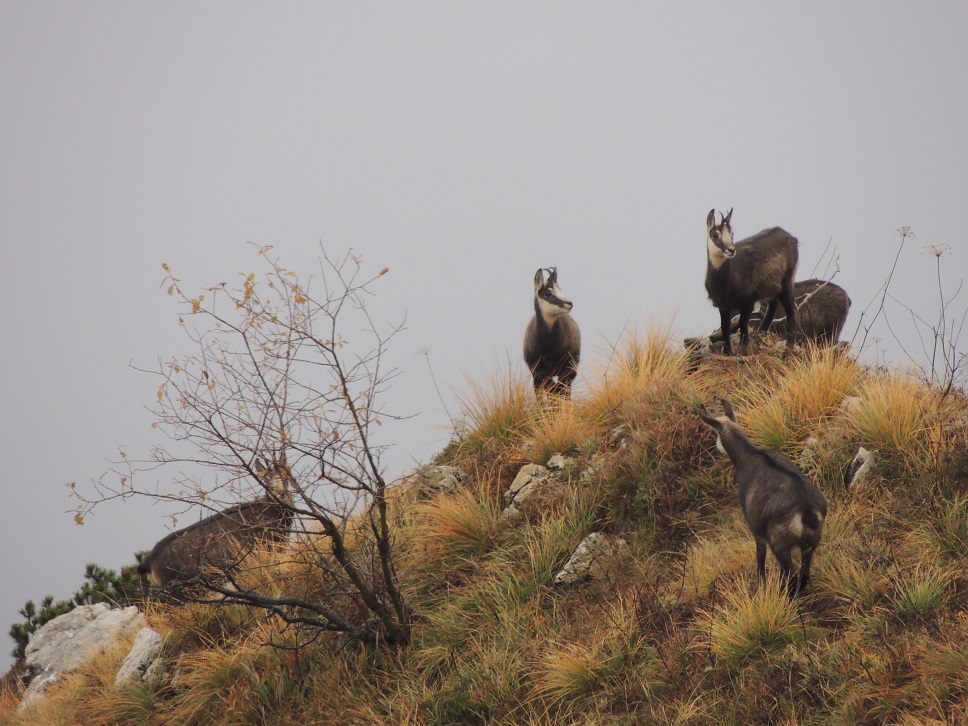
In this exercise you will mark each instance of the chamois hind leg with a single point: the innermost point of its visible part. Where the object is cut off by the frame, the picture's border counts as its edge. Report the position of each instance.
(786, 570)
(761, 558)
(744, 325)
(767, 320)
(806, 558)
(789, 304)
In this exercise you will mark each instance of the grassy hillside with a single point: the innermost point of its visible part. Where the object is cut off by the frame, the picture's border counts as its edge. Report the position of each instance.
(677, 630)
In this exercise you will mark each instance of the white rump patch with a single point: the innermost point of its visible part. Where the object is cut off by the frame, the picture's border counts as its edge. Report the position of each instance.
(795, 525)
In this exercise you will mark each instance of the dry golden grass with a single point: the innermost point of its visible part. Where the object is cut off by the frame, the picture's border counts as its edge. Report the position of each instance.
(895, 415)
(559, 426)
(456, 525)
(496, 411)
(779, 413)
(747, 624)
(645, 364)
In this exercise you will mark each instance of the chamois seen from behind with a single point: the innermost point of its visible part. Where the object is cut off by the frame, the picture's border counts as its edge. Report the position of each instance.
(782, 508)
(757, 268)
(552, 342)
(221, 541)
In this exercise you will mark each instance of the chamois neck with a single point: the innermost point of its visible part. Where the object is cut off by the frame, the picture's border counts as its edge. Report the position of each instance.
(737, 445)
(714, 255)
(546, 318)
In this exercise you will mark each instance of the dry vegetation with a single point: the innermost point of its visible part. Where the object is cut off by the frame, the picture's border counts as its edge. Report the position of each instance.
(684, 635)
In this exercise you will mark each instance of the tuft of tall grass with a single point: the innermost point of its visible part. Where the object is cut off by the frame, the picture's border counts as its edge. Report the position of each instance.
(496, 411)
(920, 595)
(462, 524)
(559, 426)
(568, 671)
(783, 412)
(947, 529)
(746, 624)
(649, 364)
(894, 415)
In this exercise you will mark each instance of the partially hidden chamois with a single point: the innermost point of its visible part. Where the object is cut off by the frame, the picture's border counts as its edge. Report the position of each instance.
(220, 541)
(757, 268)
(552, 342)
(782, 507)
(822, 309)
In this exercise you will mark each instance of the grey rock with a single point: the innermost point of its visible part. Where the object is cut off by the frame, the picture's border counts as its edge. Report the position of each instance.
(72, 640)
(523, 486)
(861, 469)
(558, 463)
(142, 663)
(432, 479)
(581, 565)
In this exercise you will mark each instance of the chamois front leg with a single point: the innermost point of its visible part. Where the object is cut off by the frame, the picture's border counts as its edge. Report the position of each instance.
(761, 558)
(725, 319)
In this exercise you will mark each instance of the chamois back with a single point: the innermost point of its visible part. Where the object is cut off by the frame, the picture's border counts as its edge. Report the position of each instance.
(783, 509)
(222, 540)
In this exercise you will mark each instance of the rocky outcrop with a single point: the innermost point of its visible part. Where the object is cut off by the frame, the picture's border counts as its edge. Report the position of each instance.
(861, 470)
(142, 663)
(72, 640)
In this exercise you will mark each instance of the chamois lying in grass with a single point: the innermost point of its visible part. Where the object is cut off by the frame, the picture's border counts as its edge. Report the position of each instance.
(783, 508)
(220, 541)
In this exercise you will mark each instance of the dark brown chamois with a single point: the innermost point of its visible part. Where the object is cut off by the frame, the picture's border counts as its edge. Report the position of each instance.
(757, 268)
(220, 541)
(782, 507)
(552, 342)
(822, 309)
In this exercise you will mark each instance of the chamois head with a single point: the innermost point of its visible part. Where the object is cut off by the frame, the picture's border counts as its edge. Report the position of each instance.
(721, 425)
(548, 296)
(719, 238)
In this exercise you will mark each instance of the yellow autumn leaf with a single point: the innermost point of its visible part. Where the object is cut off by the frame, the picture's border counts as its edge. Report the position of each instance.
(384, 271)
(79, 518)
(195, 305)
(300, 299)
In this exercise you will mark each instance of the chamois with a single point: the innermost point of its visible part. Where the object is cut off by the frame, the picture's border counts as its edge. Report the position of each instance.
(822, 309)
(552, 342)
(222, 540)
(738, 275)
(782, 508)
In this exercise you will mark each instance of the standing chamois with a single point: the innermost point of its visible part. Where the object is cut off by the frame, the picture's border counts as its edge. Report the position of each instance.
(220, 541)
(552, 343)
(782, 507)
(757, 268)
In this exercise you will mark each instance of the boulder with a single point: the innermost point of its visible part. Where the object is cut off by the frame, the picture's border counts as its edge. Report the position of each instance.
(72, 640)
(433, 479)
(142, 663)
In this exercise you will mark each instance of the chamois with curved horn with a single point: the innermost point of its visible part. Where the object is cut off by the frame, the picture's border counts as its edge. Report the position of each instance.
(552, 342)
(220, 541)
(757, 268)
(822, 309)
(782, 508)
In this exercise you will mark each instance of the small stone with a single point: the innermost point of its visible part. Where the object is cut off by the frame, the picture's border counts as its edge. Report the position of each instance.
(861, 469)
(142, 662)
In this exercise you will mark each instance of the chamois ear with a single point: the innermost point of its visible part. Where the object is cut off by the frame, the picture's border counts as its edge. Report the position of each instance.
(707, 417)
(539, 279)
(727, 409)
(553, 276)
(728, 217)
(710, 220)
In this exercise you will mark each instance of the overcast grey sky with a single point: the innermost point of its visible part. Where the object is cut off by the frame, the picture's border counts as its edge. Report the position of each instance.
(463, 145)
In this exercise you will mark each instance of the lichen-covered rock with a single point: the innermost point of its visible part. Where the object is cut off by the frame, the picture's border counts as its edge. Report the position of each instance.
(432, 479)
(589, 559)
(71, 640)
(558, 462)
(528, 479)
(142, 663)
